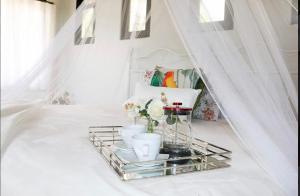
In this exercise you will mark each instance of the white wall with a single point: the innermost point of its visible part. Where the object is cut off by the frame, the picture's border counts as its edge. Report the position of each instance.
(64, 9)
(104, 65)
(105, 62)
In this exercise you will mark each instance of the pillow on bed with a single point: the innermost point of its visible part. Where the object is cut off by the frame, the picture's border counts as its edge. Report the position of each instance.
(172, 78)
(206, 108)
(145, 92)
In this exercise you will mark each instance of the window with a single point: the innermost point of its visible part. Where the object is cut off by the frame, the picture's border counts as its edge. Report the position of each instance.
(87, 23)
(294, 17)
(134, 18)
(138, 15)
(212, 11)
(85, 34)
(216, 11)
(78, 3)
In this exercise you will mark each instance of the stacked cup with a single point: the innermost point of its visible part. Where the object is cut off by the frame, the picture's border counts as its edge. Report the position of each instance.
(145, 145)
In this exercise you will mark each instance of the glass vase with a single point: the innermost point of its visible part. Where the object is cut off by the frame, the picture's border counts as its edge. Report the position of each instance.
(150, 126)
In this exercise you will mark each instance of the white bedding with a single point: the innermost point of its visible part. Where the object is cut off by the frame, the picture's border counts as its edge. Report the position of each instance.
(51, 156)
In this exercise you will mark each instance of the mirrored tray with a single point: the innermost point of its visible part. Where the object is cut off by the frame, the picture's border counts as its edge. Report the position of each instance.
(205, 156)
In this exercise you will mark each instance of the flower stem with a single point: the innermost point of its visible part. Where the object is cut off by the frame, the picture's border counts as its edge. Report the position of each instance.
(150, 126)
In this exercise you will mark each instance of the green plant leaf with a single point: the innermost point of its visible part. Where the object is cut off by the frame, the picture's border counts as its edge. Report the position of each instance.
(147, 104)
(144, 113)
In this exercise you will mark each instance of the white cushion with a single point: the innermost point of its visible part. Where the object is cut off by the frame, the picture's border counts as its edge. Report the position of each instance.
(184, 95)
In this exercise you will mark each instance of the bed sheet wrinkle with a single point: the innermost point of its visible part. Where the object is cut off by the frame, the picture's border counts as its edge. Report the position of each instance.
(59, 175)
(13, 125)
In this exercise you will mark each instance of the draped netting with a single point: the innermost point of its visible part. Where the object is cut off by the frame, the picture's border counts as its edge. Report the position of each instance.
(246, 66)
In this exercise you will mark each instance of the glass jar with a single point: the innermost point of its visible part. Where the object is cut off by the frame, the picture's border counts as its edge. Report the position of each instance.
(177, 131)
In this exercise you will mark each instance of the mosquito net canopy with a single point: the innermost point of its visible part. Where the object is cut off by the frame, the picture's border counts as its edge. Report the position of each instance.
(244, 50)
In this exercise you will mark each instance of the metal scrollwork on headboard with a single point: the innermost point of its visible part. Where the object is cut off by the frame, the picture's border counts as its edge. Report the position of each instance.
(140, 61)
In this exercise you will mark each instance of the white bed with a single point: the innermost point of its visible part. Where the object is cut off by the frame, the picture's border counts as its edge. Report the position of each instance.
(53, 156)
(50, 153)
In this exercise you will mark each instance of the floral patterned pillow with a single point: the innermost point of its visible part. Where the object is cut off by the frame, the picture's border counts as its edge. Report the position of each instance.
(206, 108)
(178, 78)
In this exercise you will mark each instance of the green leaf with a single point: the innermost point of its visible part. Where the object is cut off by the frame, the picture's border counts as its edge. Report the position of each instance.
(147, 104)
(155, 122)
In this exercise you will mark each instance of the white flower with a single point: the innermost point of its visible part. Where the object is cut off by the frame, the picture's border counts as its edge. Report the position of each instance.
(131, 110)
(132, 114)
(155, 109)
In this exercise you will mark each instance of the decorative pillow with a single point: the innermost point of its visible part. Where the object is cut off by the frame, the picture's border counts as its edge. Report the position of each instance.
(206, 109)
(178, 78)
(185, 95)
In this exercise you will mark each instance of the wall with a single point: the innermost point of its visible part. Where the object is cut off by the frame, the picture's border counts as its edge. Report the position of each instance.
(105, 63)
(102, 68)
(64, 9)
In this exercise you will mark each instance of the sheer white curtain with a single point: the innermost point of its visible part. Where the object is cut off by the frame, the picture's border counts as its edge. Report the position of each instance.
(243, 68)
(27, 27)
(248, 76)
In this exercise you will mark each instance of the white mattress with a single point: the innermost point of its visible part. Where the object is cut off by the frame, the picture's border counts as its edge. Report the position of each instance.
(51, 155)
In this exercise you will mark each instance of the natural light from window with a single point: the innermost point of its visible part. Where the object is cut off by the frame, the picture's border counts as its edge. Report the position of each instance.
(211, 10)
(138, 15)
(87, 29)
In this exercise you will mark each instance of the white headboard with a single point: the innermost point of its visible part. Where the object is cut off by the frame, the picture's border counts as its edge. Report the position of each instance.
(140, 61)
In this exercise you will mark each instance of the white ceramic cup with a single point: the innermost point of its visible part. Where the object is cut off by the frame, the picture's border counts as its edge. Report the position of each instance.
(127, 132)
(146, 146)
